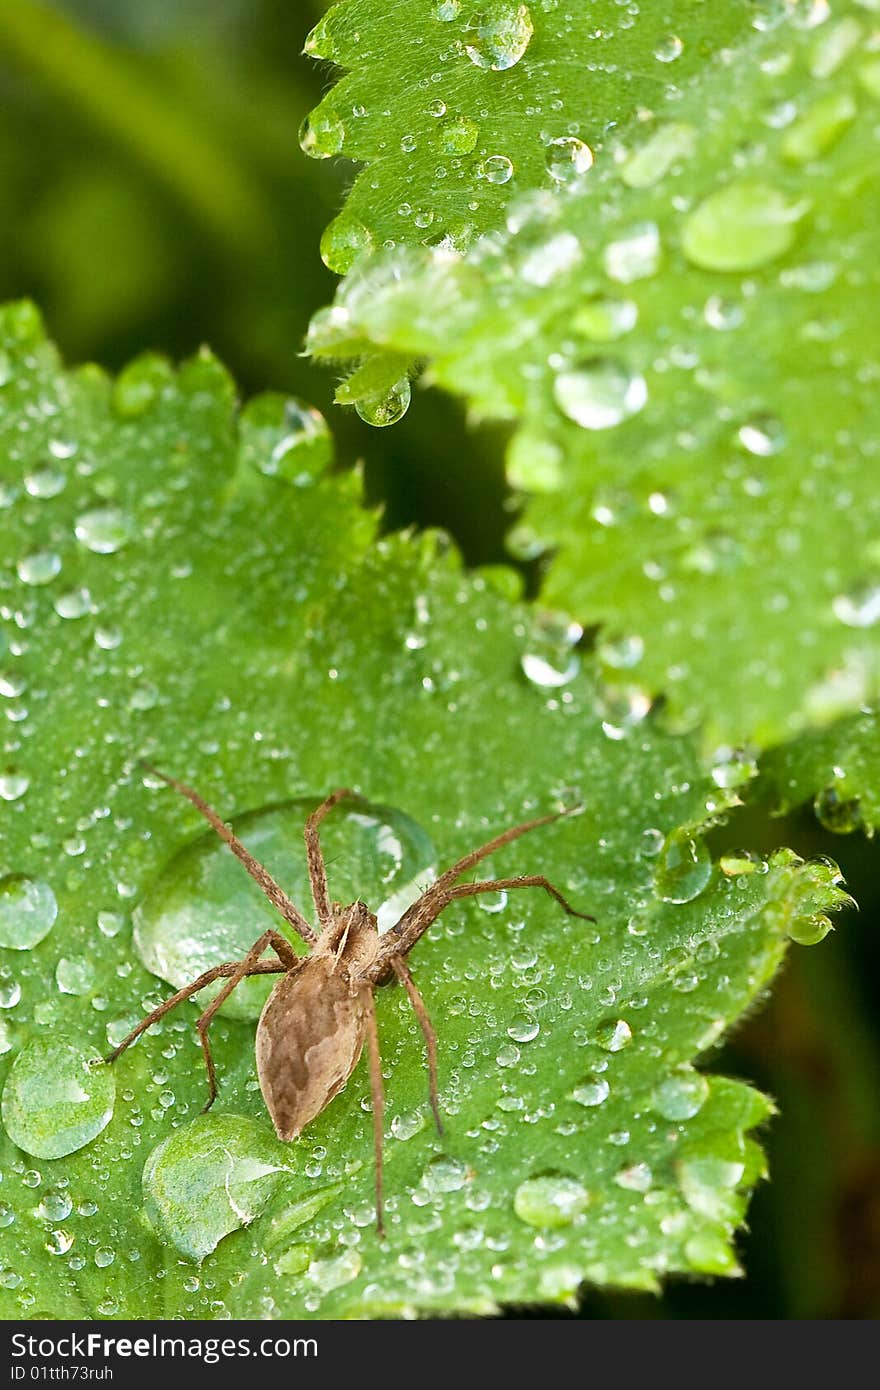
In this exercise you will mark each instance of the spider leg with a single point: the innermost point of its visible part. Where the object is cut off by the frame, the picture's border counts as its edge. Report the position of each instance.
(277, 897)
(378, 1094)
(417, 918)
(245, 967)
(217, 972)
(401, 970)
(497, 885)
(317, 870)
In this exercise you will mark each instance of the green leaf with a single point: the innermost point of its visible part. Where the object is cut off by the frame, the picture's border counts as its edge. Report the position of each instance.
(193, 585)
(683, 348)
(456, 109)
(838, 769)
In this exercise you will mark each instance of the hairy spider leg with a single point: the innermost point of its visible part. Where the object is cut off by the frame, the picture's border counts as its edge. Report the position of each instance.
(277, 897)
(402, 971)
(378, 1094)
(317, 869)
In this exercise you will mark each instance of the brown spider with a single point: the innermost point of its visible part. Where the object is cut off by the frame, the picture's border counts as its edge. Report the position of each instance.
(314, 1024)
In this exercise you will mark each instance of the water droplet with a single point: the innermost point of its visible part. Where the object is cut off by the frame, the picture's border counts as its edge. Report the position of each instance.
(56, 1098)
(860, 606)
(345, 240)
(406, 1126)
(321, 135)
(550, 259)
(593, 1090)
(653, 841)
(551, 661)
(600, 393)
(27, 911)
(837, 813)
(459, 135)
(76, 976)
(58, 1242)
(669, 49)
(39, 568)
(10, 989)
(733, 767)
(809, 930)
(819, 129)
(763, 436)
(210, 1178)
(444, 1174)
(13, 784)
(335, 1271)
(284, 438)
(204, 909)
(74, 604)
(499, 36)
(104, 530)
(708, 1185)
(723, 314)
(104, 1256)
(645, 167)
(613, 1035)
(603, 319)
(45, 483)
(534, 462)
(552, 1200)
(682, 1095)
(568, 159)
(496, 168)
(620, 651)
(56, 1205)
(742, 226)
(523, 1028)
(636, 1177)
(385, 407)
(684, 868)
(634, 256)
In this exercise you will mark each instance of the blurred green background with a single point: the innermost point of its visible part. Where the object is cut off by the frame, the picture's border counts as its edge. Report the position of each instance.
(153, 195)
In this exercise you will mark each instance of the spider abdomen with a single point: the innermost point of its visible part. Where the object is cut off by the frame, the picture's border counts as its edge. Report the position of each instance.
(309, 1039)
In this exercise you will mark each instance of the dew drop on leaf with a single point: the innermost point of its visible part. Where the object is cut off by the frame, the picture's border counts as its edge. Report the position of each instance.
(859, 606)
(459, 135)
(682, 1095)
(550, 660)
(499, 35)
(592, 1091)
(496, 168)
(647, 165)
(104, 530)
(568, 159)
(742, 226)
(13, 784)
(285, 438)
(600, 393)
(27, 911)
(444, 1174)
(839, 814)
(550, 1200)
(635, 255)
(39, 568)
(210, 1178)
(683, 869)
(613, 1035)
(385, 407)
(57, 1097)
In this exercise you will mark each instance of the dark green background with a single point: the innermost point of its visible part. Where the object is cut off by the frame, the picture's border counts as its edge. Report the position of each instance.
(153, 195)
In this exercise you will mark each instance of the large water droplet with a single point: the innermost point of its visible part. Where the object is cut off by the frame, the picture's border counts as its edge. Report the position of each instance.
(593, 1090)
(498, 37)
(497, 168)
(57, 1097)
(459, 135)
(551, 1200)
(683, 869)
(284, 438)
(336, 1270)
(742, 226)
(321, 135)
(635, 255)
(613, 1035)
(859, 606)
(568, 159)
(210, 1178)
(27, 911)
(682, 1095)
(648, 165)
(104, 530)
(13, 784)
(205, 909)
(383, 408)
(444, 1174)
(39, 568)
(837, 813)
(551, 660)
(600, 393)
